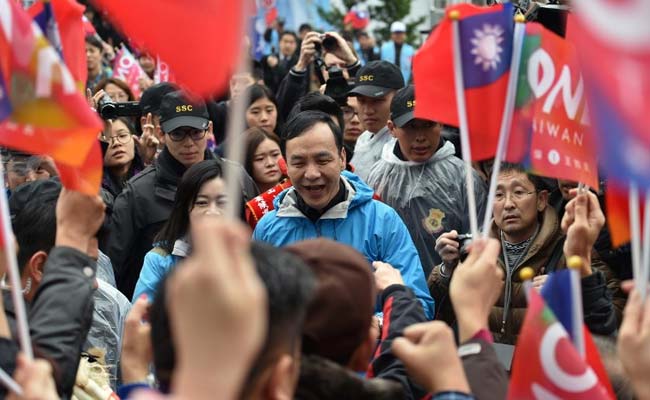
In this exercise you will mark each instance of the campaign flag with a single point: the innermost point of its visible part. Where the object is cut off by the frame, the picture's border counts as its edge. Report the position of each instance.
(86, 178)
(42, 13)
(62, 23)
(486, 35)
(89, 29)
(128, 69)
(162, 72)
(561, 296)
(613, 41)
(5, 104)
(546, 365)
(200, 40)
(49, 115)
(550, 128)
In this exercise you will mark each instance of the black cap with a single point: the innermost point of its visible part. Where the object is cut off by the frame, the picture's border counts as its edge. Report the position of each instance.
(402, 106)
(376, 79)
(151, 98)
(39, 191)
(177, 109)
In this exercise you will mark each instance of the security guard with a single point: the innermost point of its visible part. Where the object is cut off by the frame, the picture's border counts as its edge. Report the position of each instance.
(147, 201)
(375, 86)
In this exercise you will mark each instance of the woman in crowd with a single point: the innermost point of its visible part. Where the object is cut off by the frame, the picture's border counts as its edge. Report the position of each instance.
(262, 111)
(200, 193)
(126, 154)
(262, 156)
(116, 89)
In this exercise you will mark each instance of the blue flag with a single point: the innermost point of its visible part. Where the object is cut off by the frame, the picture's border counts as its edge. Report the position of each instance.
(5, 104)
(559, 297)
(486, 46)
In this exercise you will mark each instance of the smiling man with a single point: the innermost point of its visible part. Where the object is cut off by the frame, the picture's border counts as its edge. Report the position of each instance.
(326, 201)
(419, 176)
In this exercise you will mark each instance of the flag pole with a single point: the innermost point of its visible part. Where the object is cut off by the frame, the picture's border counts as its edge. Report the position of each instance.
(645, 265)
(575, 264)
(635, 234)
(8, 382)
(462, 118)
(235, 138)
(14, 272)
(506, 120)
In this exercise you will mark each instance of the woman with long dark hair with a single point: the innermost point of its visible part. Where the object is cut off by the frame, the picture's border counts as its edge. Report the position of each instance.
(262, 111)
(262, 157)
(201, 193)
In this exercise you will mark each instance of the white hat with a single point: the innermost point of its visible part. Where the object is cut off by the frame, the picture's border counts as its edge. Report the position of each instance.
(397, 26)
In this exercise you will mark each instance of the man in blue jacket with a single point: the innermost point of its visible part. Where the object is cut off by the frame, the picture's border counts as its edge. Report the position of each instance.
(326, 201)
(398, 51)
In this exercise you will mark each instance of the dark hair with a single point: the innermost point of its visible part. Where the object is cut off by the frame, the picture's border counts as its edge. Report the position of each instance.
(117, 82)
(537, 181)
(126, 121)
(292, 33)
(95, 41)
(256, 92)
(35, 228)
(305, 120)
(319, 102)
(188, 188)
(289, 284)
(305, 26)
(254, 137)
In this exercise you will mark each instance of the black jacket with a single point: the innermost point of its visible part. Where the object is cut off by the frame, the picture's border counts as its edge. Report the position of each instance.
(60, 314)
(141, 210)
(401, 309)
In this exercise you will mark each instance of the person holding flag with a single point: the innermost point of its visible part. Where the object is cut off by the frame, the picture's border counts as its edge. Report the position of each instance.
(531, 235)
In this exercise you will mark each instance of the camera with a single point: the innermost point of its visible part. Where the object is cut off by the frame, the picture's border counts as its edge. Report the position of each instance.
(337, 87)
(328, 43)
(108, 109)
(464, 240)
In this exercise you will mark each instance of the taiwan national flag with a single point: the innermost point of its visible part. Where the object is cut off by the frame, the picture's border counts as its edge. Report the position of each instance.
(48, 114)
(546, 365)
(550, 129)
(561, 295)
(613, 41)
(486, 35)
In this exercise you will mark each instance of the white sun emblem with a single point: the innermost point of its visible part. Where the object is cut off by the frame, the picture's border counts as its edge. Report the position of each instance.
(486, 46)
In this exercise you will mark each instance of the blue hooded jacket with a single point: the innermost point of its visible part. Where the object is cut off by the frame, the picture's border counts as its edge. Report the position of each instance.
(371, 227)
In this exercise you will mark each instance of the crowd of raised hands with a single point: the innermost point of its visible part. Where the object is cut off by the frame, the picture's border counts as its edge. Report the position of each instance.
(214, 355)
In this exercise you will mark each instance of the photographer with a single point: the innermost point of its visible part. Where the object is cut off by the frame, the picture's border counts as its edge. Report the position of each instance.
(321, 49)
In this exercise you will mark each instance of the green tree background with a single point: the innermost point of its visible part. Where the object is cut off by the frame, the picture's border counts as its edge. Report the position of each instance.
(386, 13)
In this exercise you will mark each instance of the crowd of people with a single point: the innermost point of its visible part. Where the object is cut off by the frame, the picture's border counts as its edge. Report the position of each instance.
(348, 271)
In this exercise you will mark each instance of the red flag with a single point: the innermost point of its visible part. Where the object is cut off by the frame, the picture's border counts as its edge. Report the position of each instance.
(613, 41)
(617, 206)
(68, 16)
(550, 131)
(433, 71)
(127, 68)
(49, 115)
(88, 177)
(546, 364)
(199, 39)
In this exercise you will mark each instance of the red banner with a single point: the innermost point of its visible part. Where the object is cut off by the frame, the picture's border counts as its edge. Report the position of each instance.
(128, 69)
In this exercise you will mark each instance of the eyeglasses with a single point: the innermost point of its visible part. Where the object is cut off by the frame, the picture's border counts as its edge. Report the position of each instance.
(349, 113)
(122, 138)
(178, 135)
(516, 195)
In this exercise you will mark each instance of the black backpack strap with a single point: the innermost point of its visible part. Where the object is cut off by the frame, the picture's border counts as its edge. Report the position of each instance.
(557, 253)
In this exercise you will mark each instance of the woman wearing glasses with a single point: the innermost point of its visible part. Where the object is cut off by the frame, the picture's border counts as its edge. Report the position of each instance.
(121, 160)
(200, 194)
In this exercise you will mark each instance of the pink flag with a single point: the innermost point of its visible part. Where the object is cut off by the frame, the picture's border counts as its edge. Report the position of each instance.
(127, 68)
(162, 73)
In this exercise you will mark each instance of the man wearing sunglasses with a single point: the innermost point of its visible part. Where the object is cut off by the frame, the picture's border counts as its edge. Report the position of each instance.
(147, 201)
